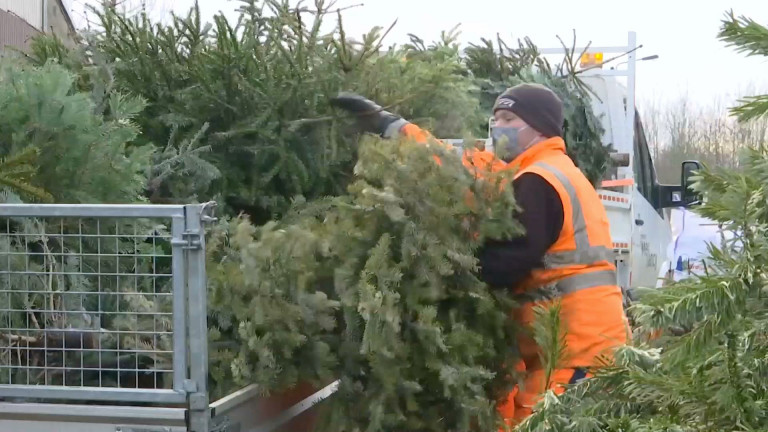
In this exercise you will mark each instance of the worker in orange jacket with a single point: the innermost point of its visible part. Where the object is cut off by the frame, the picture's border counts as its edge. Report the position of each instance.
(566, 249)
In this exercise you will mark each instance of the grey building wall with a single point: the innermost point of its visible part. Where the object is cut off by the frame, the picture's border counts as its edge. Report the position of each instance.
(59, 22)
(16, 32)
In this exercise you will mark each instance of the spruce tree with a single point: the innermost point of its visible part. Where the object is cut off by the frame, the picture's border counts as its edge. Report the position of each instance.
(255, 95)
(374, 285)
(750, 37)
(377, 288)
(41, 112)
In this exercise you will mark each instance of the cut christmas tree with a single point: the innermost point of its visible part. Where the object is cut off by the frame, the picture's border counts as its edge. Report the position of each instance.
(376, 288)
(371, 280)
(253, 94)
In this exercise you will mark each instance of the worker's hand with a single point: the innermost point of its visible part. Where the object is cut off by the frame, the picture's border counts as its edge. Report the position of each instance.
(368, 114)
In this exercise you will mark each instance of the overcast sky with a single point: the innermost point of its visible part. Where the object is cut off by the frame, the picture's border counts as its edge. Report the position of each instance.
(683, 33)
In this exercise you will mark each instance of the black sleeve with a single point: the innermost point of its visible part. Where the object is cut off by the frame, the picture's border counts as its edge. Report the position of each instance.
(505, 262)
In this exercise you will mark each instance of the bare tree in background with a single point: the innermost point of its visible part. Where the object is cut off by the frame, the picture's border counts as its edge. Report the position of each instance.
(651, 114)
(682, 130)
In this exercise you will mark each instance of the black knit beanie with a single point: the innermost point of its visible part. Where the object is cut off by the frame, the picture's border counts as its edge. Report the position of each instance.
(536, 105)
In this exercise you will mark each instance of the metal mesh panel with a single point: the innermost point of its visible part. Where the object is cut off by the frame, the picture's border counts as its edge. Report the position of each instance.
(88, 302)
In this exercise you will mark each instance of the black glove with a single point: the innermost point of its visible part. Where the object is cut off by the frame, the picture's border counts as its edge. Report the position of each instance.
(370, 116)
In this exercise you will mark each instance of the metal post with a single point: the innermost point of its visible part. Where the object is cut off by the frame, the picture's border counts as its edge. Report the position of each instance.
(631, 69)
(44, 24)
(199, 412)
(180, 310)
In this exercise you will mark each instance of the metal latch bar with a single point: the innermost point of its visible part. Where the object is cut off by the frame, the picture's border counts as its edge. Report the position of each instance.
(188, 240)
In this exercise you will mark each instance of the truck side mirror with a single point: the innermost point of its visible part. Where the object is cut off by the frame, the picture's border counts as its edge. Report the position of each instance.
(619, 159)
(689, 196)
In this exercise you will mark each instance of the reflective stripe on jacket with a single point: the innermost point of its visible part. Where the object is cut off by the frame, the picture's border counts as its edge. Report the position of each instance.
(578, 269)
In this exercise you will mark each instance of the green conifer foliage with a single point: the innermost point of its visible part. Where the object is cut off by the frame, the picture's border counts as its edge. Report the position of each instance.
(40, 109)
(258, 89)
(377, 288)
(369, 274)
(746, 36)
(16, 172)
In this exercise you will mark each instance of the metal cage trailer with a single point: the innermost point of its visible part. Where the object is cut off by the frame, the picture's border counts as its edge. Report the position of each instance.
(103, 323)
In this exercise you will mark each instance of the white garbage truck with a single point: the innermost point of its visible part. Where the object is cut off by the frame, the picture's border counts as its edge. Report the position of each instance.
(135, 292)
(639, 207)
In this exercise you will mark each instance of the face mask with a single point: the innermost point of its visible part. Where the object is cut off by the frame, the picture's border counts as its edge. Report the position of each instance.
(506, 143)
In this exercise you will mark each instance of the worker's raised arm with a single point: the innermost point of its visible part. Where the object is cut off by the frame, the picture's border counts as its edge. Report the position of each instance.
(372, 118)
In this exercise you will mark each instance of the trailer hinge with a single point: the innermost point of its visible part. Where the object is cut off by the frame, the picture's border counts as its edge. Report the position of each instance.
(190, 386)
(189, 240)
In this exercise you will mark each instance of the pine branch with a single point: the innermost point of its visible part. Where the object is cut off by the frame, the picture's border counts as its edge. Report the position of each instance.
(25, 188)
(746, 35)
(549, 332)
(751, 108)
(16, 171)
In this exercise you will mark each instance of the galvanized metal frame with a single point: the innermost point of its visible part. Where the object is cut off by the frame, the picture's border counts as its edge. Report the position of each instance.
(194, 238)
(297, 408)
(243, 410)
(99, 413)
(188, 299)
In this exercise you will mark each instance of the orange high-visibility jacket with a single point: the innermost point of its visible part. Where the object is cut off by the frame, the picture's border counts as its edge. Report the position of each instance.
(480, 161)
(578, 268)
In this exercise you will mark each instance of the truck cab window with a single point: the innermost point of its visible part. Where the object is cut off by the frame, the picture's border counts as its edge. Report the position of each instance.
(645, 175)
